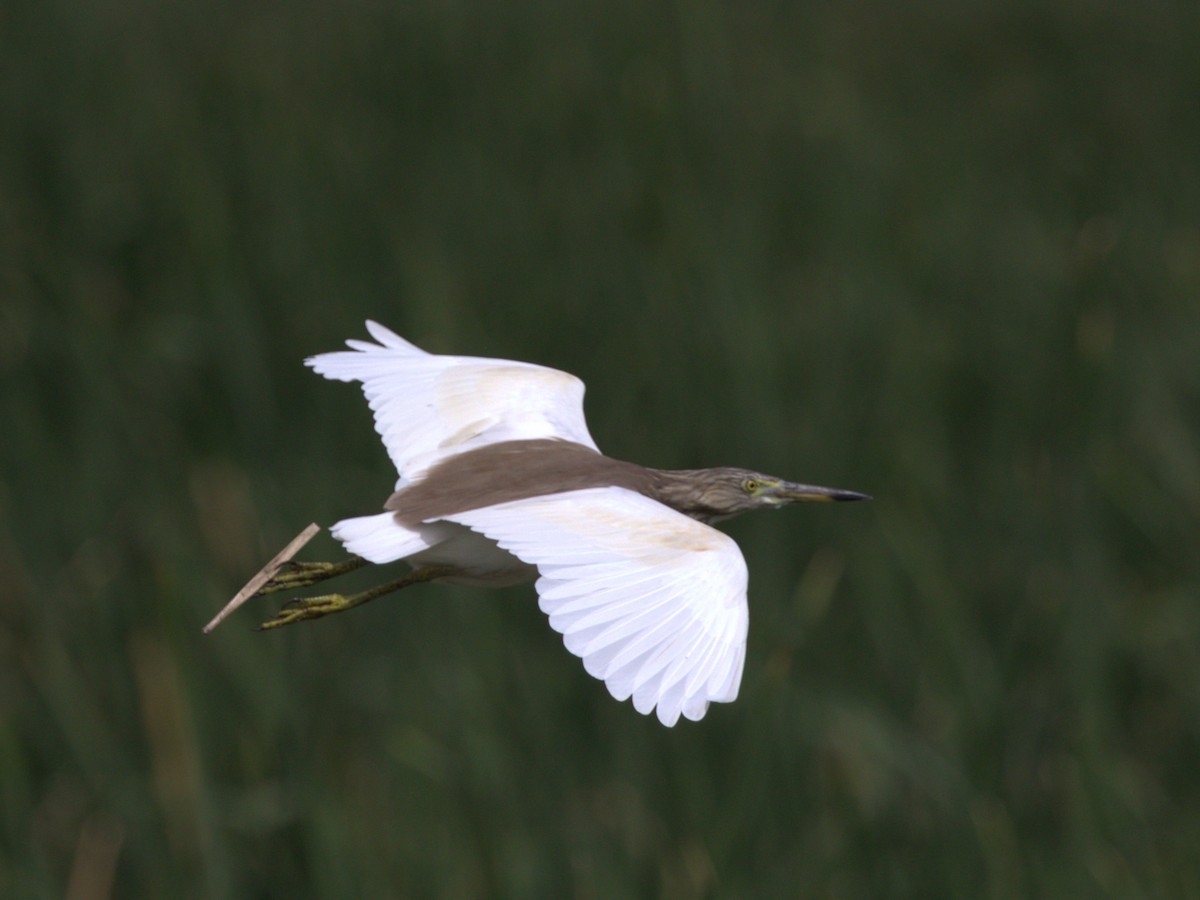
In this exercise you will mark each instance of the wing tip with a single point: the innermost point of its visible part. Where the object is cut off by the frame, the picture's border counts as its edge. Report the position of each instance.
(389, 339)
(353, 365)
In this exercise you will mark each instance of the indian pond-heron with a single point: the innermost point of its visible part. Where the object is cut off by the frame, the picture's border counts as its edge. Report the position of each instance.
(500, 483)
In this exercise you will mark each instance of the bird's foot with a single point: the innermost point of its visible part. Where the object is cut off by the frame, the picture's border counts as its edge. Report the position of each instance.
(302, 608)
(295, 574)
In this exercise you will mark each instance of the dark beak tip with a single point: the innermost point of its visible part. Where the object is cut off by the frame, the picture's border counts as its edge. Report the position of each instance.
(822, 495)
(845, 496)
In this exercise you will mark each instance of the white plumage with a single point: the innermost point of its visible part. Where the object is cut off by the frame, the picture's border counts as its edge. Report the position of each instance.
(429, 407)
(652, 601)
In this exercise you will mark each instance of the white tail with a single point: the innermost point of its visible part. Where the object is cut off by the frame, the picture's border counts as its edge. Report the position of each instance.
(381, 539)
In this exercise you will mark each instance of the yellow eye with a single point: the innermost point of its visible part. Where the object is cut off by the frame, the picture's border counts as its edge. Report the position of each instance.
(750, 485)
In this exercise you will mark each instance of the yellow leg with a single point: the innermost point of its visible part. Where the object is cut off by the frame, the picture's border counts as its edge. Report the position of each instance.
(303, 574)
(314, 607)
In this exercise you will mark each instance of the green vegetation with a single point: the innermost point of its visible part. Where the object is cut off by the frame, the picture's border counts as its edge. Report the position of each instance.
(945, 253)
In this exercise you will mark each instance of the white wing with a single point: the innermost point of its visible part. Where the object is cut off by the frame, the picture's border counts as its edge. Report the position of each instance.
(654, 602)
(430, 407)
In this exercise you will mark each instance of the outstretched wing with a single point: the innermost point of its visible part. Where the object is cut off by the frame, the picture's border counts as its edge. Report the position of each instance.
(653, 602)
(429, 407)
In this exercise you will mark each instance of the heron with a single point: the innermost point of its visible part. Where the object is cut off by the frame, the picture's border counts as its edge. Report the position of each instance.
(500, 483)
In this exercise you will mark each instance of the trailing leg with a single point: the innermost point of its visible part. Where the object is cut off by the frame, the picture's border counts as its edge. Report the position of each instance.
(293, 574)
(302, 608)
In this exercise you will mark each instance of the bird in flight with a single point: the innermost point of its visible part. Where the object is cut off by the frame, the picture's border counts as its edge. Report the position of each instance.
(501, 483)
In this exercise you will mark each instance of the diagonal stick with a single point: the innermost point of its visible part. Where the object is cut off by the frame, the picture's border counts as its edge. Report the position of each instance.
(264, 575)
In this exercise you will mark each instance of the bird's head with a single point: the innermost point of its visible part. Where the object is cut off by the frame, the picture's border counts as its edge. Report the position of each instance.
(714, 494)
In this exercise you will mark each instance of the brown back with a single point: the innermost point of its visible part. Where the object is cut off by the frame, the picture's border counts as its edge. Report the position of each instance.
(512, 470)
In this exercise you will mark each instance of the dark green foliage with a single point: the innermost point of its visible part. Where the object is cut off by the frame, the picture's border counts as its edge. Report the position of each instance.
(945, 253)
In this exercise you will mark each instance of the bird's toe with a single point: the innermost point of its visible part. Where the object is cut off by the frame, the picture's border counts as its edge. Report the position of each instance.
(302, 608)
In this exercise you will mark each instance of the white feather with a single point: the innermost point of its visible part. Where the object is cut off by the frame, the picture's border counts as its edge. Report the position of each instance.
(429, 407)
(380, 538)
(652, 601)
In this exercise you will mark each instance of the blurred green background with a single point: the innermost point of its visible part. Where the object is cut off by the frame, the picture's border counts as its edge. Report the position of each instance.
(945, 252)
